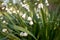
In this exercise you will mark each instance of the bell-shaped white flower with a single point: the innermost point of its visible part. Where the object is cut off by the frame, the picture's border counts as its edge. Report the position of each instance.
(36, 3)
(4, 21)
(31, 22)
(23, 34)
(24, 16)
(47, 4)
(46, 1)
(29, 18)
(6, 9)
(3, 8)
(4, 30)
(14, 11)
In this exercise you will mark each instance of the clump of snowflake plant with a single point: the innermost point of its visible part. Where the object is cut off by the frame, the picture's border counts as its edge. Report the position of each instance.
(28, 20)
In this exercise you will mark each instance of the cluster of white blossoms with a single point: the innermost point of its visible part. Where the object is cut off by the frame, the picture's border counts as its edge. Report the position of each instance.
(46, 1)
(26, 6)
(4, 30)
(40, 5)
(30, 20)
(23, 34)
(8, 10)
(23, 15)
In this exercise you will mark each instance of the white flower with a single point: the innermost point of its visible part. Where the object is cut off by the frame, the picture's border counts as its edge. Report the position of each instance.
(47, 4)
(4, 21)
(29, 18)
(40, 5)
(14, 2)
(21, 3)
(4, 4)
(18, 11)
(11, 9)
(4, 30)
(23, 34)
(46, 1)
(23, 16)
(31, 22)
(6, 9)
(35, 3)
(37, 15)
(3, 8)
(26, 6)
(14, 11)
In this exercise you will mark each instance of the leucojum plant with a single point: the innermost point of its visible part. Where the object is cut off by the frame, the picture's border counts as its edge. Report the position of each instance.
(28, 20)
